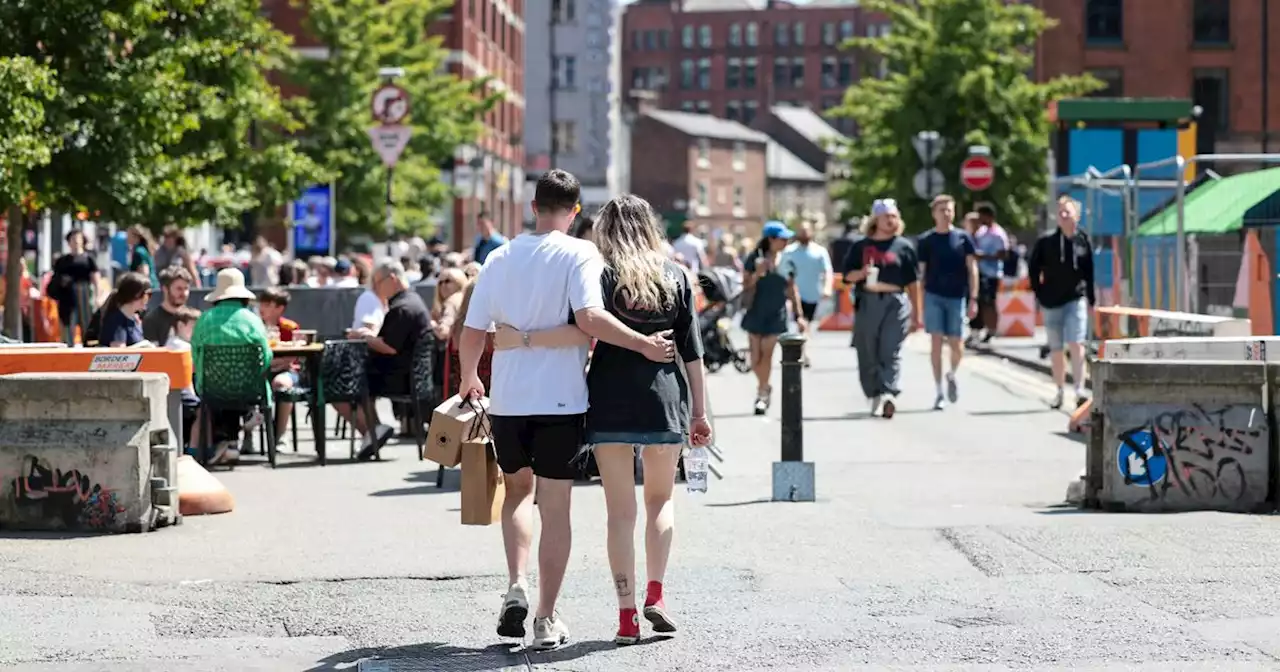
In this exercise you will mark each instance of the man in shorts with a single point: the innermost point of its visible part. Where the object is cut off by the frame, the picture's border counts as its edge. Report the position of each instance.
(950, 271)
(541, 280)
(1060, 269)
(811, 269)
(992, 242)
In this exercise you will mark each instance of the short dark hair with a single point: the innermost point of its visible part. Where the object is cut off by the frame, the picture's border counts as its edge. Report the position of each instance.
(73, 233)
(172, 274)
(557, 191)
(985, 208)
(274, 295)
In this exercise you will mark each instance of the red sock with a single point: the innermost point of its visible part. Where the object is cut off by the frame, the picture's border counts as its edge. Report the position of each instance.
(653, 593)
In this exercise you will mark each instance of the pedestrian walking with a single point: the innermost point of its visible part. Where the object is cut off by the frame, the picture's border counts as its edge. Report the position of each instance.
(75, 286)
(1060, 270)
(768, 284)
(884, 268)
(949, 266)
(637, 404)
(993, 246)
(813, 271)
(536, 282)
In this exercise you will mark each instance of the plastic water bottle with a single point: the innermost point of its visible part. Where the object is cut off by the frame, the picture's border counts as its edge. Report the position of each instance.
(697, 462)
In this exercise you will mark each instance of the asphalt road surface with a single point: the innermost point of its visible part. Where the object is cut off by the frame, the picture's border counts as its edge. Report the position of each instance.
(939, 542)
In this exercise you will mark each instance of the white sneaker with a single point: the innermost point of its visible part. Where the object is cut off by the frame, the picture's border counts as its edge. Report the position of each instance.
(1057, 399)
(549, 633)
(515, 608)
(226, 453)
(875, 405)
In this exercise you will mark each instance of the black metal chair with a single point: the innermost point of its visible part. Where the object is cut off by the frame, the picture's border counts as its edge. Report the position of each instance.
(231, 380)
(344, 367)
(423, 391)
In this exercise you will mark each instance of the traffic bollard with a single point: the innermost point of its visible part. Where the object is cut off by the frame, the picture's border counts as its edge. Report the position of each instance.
(792, 476)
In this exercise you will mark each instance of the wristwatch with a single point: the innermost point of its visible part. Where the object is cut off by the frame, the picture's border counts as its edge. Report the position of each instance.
(524, 336)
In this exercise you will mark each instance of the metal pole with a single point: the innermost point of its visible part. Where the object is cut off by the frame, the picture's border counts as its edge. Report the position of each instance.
(1266, 75)
(792, 408)
(928, 168)
(391, 208)
(1180, 254)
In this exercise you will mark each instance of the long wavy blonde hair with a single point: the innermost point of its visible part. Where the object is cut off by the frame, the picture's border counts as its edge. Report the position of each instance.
(631, 243)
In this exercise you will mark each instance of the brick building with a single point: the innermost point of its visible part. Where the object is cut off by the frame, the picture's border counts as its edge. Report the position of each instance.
(485, 38)
(1209, 51)
(695, 167)
(736, 58)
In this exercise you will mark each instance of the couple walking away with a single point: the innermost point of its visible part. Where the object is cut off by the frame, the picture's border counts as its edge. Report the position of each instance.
(548, 294)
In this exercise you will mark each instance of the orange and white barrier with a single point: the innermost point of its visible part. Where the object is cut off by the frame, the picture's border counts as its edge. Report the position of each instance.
(840, 319)
(1017, 307)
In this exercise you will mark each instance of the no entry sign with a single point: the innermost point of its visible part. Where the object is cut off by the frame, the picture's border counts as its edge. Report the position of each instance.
(977, 173)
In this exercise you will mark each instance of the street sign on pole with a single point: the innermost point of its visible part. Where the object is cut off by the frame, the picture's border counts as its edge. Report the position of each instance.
(928, 182)
(390, 141)
(390, 105)
(977, 173)
(928, 145)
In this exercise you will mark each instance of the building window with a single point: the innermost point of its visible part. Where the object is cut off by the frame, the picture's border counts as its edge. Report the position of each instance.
(738, 197)
(658, 78)
(638, 77)
(704, 153)
(739, 159)
(703, 197)
(564, 73)
(704, 74)
(829, 34)
(704, 37)
(797, 72)
(635, 40)
(1113, 78)
(781, 72)
(1104, 21)
(829, 80)
(733, 111)
(1209, 91)
(664, 39)
(782, 34)
(749, 111)
(798, 34)
(562, 11)
(735, 35)
(844, 77)
(753, 34)
(1212, 22)
(686, 37)
(686, 73)
(564, 138)
(733, 74)
(749, 76)
(686, 106)
(704, 107)
(846, 30)
(650, 40)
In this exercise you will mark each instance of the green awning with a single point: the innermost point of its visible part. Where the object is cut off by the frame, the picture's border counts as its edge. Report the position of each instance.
(1217, 207)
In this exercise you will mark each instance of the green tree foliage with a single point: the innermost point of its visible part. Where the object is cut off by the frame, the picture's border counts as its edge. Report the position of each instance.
(363, 36)
(958, 67)
(26, 142)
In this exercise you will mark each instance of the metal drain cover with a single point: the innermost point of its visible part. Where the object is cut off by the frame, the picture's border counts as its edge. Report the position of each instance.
(479, 661)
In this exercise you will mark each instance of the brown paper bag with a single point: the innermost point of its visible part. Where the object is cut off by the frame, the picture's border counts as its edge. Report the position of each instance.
(453, 422)
(483, 490)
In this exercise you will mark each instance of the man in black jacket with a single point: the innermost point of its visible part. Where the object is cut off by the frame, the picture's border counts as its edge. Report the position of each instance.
(1061, 275)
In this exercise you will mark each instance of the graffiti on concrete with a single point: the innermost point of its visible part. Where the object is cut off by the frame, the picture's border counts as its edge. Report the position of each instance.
(1203, 452)
(69, 496)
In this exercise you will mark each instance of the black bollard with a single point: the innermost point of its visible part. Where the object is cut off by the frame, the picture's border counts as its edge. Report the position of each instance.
(792, 476)
(792, 404)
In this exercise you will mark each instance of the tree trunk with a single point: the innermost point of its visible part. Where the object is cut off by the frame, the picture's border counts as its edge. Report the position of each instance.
(13, 275)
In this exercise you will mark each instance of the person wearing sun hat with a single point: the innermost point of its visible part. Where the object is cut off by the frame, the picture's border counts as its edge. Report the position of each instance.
(229, 322)
(768, 284)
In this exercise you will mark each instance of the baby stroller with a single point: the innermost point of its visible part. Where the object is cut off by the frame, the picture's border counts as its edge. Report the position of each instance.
(722, 288)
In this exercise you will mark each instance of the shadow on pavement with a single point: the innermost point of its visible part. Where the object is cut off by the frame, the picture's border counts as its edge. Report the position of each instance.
(725, 505)
(427, 479)
(1020, 411)
(448, 657)
(1074, 436)
(575, 650)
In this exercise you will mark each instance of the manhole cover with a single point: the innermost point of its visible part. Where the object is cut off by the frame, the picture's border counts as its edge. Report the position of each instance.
(480, 661)
(974, 621)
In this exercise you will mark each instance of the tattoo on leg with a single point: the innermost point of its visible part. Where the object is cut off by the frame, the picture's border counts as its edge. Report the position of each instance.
(622, 585)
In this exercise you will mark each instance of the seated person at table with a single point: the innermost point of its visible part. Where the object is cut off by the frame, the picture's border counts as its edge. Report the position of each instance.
(391, 350)
(229, 322)
(285, 372)
(117, 322)
(175, 284)
(184, 323)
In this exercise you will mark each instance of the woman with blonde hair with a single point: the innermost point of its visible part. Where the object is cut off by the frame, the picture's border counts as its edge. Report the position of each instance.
(636, 403)
(884, 269)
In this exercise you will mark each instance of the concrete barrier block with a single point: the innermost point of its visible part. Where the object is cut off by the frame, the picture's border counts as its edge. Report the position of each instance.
(76, 451)
(1181, 436)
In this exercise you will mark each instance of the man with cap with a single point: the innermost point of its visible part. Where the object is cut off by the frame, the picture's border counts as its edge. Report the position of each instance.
(229, 322)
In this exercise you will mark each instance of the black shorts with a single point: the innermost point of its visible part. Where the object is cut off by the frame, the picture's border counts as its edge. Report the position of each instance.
(988, 289)
(808, 310)
(549, 444)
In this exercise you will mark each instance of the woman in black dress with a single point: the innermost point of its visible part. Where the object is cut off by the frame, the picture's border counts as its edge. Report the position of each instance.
(768, 283)
(75, 283)
(637, 404)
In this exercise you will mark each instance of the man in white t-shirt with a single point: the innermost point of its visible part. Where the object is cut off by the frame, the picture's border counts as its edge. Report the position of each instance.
(692, 249)
(539, 281)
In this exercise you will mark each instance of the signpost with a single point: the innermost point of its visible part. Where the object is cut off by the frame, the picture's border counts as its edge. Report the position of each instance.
(978, 172)
(390, 108)
(928, 181)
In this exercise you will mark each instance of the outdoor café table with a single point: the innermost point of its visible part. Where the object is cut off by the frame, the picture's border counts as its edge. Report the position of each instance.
(174, 363)
(310, 353)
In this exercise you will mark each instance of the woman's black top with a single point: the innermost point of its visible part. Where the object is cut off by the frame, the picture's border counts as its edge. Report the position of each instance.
(628, 392)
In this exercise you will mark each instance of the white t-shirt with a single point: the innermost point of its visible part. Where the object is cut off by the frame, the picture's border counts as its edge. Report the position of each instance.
(692, 248)
(533, 283)
(368, 309)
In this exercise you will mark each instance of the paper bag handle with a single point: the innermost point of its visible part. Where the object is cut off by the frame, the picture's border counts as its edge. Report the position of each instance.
(482, 418)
